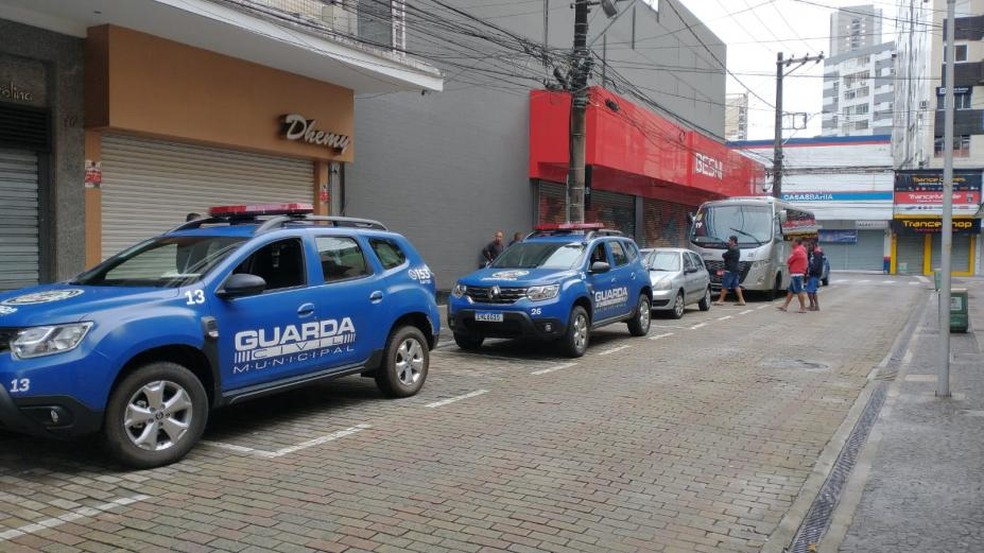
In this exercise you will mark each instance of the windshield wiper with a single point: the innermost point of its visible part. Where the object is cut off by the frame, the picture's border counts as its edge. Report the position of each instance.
(743, 233)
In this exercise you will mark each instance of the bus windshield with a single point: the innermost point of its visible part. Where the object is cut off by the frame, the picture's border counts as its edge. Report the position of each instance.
(752, 224)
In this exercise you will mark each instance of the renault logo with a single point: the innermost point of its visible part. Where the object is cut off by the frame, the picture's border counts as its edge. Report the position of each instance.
(494, 292)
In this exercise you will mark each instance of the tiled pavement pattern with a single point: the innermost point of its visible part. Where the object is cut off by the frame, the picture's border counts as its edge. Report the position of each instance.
(699, 441)
(923, 490)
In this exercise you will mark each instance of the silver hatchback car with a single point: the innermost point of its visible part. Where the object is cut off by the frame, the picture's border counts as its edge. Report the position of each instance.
(679, 279)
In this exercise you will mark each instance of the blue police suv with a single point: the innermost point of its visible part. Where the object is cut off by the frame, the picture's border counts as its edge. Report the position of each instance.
(249, 301)
(558, 284)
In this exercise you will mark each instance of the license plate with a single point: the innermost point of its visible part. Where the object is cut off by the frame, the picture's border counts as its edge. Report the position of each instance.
(488, 317)
(720, 272)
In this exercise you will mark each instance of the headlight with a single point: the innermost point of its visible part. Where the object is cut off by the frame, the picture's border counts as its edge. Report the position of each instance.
(459, 290)
(46, 340)
(539, 293)
(663, 284)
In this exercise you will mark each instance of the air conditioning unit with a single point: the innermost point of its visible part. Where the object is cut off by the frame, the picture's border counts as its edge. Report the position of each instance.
(341, 17)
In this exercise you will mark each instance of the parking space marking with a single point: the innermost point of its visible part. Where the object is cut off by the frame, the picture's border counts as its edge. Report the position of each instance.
(888, 282)
(289, 449)
(747, 311)
(552, 369)
(922, 279)
(444, 402)
(724, 318)
(762, 307)
(699, 325)
(83, 512)
(658, 336)
(319, 441)
(613, 350)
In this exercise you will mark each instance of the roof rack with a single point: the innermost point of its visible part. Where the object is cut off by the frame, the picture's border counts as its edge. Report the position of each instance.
(588, 233)
(281, 221)
(334, 221)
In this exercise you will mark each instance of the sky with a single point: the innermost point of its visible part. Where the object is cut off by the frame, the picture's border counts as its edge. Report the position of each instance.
(756, 30)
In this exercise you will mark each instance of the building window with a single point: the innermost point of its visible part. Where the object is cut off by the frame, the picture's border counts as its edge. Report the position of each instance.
(961, 146)
(960, 52)
(960, 101)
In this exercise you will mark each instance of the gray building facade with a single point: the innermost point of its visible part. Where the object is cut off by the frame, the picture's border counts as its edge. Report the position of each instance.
(449, 169)
(42, 234)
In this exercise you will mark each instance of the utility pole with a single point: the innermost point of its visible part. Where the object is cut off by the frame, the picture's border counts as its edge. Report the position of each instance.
(946, 238)
(777, 147)
(581, 67)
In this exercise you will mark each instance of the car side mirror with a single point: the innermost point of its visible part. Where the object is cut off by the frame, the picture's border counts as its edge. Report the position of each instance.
(240, 285)
(600, 267)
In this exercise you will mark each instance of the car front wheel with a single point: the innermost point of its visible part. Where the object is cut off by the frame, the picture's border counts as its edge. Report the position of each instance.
(470, 343)
(642, 318)
(155, 415)
(405, 364)
(575, 340)
(678, 306)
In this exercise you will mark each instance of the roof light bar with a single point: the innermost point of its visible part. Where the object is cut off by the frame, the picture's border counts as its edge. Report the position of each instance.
(260, 209)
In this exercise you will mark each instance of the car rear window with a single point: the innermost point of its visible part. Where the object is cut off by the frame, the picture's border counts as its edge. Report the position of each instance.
(389, 253)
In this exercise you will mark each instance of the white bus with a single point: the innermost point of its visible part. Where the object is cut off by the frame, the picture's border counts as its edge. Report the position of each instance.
(764, 227)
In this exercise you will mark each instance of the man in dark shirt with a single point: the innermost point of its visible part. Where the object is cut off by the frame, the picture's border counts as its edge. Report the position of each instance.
(493, 249)
(732, 273)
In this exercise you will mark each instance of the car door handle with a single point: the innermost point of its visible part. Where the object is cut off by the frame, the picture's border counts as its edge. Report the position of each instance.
(305, 310)
(376, 296)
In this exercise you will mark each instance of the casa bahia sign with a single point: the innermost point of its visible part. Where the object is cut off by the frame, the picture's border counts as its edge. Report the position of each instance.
(299, 128)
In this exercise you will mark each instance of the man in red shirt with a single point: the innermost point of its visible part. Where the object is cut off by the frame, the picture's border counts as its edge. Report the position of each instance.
(797, 268)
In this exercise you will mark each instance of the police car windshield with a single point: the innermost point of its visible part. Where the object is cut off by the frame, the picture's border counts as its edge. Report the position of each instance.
(544, 255)
(169, 261)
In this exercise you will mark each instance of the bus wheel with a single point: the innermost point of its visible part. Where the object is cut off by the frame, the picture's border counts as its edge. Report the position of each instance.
(775, 292)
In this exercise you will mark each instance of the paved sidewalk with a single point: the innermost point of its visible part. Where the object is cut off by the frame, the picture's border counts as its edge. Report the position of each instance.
(919, 482)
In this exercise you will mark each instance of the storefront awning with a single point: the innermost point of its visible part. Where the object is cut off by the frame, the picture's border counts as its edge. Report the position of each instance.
(634, 151)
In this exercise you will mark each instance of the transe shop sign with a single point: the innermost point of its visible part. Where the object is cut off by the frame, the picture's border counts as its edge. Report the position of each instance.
(297, 127)
(921, 193)
(934, 226)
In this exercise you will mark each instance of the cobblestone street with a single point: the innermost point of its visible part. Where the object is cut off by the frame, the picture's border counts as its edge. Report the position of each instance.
(699, 437)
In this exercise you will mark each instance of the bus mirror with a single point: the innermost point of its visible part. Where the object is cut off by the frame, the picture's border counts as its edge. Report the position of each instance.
(691, 217)
(782, 216)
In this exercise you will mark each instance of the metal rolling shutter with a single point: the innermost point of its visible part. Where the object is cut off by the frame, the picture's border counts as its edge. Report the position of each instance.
(617, 211)
(909, 254)
(19, 242)
(665, 224)
(959, 257)
(149, 186)
(867, 254)
(551, 203)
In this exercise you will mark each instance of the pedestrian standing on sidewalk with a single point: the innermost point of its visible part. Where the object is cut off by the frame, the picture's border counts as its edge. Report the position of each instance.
(814, 273)
(797, 268)
(493, 249)
(732, 272)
